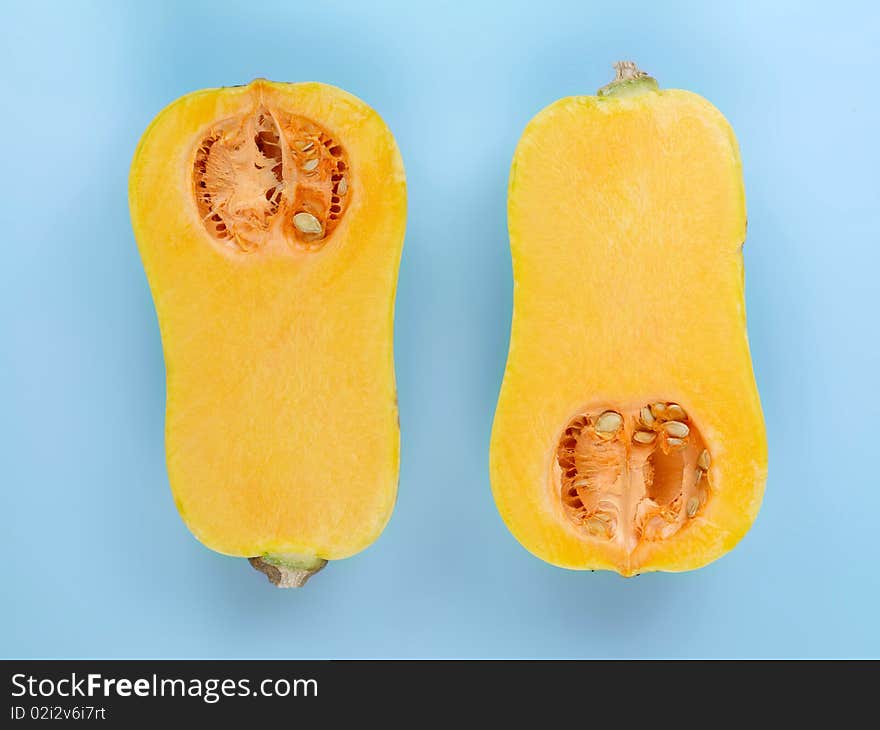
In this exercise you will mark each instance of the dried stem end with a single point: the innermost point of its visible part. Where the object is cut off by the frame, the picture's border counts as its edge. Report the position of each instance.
(287, 570)
(629, 80)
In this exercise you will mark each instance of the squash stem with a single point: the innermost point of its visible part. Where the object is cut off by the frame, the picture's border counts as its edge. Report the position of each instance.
(629, 80)
(286, 570)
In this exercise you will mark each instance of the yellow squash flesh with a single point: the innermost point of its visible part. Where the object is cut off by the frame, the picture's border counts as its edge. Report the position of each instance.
(626, 216)
(281, 419)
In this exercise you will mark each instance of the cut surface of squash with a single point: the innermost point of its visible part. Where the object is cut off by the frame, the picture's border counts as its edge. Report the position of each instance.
(628, 434)
(270, 220)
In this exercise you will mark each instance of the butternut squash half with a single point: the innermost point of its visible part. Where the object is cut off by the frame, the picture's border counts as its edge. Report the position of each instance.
(628, 434)
(270, 220)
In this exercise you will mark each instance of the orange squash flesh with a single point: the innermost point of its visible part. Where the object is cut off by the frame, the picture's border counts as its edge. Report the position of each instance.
(627, 215)
(281, 419)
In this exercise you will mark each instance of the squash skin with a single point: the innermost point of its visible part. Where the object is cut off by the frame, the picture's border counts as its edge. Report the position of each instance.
(281, 431)
(626, 219)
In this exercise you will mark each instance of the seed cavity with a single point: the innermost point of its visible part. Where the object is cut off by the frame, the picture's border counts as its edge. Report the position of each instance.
(631, 474)
(269, 175)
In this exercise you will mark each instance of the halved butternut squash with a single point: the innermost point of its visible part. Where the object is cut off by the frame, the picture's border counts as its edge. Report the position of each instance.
(270, 220)
(628, 434)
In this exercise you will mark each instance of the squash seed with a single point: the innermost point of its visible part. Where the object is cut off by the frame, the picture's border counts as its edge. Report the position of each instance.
(692, 506)
(658, 410)
(304, 145)
(704, 461)
(609, 423)
(676, 429)
(646, 417)
(674, 443)
(342, 187)
(644, 437)
(310, 165)
(675, 412)
(307, 223)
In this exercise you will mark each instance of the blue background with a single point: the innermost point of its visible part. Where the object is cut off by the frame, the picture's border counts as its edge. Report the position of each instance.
(97, 562)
